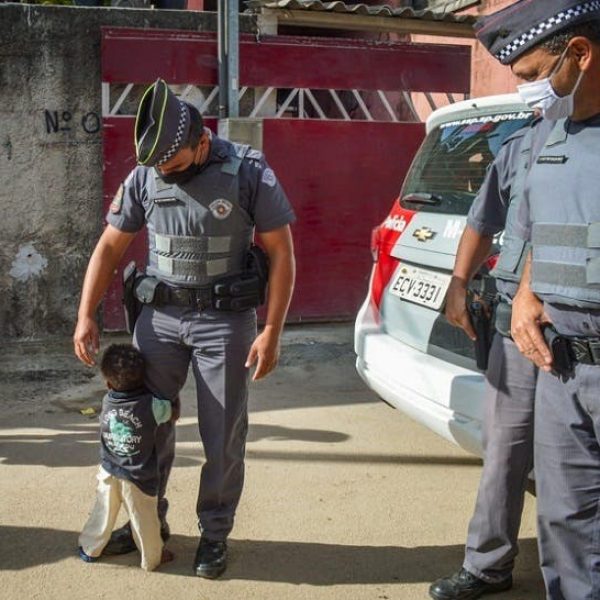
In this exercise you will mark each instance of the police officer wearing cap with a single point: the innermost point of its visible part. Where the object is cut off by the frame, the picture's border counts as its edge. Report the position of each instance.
(201, 199)
(554, 46)
(510, 382)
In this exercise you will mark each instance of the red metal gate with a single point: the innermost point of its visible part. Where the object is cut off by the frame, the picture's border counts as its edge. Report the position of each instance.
(335, 130)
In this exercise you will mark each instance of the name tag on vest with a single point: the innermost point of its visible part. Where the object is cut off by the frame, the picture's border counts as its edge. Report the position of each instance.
(552, 160)
(165, 200)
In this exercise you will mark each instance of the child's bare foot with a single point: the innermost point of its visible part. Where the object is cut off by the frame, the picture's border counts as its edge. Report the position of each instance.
(167, 556)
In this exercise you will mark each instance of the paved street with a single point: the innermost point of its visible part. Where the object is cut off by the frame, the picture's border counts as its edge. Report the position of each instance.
(344, 498)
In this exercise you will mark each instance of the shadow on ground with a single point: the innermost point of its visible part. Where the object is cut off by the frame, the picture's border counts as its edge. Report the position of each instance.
(297, 563)
(76, 445)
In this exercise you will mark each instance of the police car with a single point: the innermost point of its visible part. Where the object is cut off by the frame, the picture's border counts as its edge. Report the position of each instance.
(406, 350)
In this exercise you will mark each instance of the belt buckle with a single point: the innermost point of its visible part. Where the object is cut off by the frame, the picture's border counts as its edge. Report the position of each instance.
(179, 295)
(594, 346)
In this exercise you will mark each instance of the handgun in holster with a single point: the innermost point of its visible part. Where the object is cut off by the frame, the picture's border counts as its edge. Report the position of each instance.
(482, 324)
(247, 289)
(563, 362)
(132, 306)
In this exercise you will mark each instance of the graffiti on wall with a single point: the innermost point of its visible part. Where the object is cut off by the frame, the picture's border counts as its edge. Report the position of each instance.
(57, 121)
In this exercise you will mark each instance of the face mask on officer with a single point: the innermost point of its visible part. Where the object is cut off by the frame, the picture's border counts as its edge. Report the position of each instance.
(541, 94)
(179, 177)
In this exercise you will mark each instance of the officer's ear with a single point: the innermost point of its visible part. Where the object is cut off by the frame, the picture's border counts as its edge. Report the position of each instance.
(584, 52)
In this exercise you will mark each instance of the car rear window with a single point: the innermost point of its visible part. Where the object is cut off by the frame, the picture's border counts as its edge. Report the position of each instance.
(451, 164)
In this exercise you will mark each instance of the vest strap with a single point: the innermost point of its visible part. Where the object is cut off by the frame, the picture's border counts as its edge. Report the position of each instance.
(565, 275)
(574, 236)
(194, 245)
(232, 166)
(179, 267)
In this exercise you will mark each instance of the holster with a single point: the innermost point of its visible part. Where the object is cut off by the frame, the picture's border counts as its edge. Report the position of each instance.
(482, 324)
(563, 361)
(503, 316)
(131, 305)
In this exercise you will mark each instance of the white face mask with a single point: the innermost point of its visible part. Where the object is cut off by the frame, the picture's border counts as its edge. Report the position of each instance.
(540, 94)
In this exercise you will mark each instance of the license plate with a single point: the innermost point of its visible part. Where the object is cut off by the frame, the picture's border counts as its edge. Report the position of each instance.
(421, 286)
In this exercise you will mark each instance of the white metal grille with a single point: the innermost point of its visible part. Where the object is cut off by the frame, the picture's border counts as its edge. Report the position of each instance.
(299, 103)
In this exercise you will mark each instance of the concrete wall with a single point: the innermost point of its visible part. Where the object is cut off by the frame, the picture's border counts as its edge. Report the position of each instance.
(50, 154)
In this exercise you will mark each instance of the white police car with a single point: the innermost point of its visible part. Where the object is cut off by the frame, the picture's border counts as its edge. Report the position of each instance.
(406, 350)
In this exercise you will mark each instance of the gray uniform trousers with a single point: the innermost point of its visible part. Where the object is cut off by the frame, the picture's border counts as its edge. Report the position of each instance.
(567, 467)
(216, 344)
(508, 445)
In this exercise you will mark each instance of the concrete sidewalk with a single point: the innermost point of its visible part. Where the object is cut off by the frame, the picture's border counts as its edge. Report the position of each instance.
(344, 497)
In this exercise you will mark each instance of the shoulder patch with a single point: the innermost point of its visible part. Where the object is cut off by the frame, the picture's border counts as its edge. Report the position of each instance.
(117, 201)
(269, 178)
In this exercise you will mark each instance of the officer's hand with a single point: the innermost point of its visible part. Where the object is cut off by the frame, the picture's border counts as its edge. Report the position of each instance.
(527, 318)
(86, 340)
(456, 307)
(264, 353)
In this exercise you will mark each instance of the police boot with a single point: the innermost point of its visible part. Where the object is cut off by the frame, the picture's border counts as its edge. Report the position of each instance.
(121, 540)
(211, 558)
(465, 586)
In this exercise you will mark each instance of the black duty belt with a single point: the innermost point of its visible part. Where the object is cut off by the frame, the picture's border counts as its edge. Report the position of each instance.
(568, 351)
(584, 350)
(199, 298)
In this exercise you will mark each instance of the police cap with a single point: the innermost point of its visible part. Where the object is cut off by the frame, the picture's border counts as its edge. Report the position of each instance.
(162, 125)
(510, 32)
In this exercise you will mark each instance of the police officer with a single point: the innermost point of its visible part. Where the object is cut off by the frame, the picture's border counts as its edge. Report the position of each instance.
(201, 199)
(555, 47)
(510, 379)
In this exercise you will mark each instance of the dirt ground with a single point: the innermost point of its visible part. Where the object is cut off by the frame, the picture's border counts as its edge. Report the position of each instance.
(344, 497)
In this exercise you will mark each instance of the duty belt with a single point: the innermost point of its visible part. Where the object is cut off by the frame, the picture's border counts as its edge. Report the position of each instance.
(199, 298)
(584, 350)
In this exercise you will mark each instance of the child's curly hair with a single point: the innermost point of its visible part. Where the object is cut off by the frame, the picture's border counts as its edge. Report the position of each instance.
(123, 367)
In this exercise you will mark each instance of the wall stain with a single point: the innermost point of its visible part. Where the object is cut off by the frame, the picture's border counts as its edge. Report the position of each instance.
(8, 146)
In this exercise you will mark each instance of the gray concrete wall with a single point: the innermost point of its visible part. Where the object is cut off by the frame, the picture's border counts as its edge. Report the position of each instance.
(50, 154)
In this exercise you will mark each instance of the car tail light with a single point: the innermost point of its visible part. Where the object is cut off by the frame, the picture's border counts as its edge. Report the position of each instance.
(383, 239)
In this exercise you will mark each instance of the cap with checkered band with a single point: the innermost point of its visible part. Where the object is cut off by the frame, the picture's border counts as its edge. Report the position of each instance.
(162, 125)
(510, 32)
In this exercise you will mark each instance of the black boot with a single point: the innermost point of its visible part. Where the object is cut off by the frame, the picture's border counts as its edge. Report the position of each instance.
(465, 586)
(211, 558)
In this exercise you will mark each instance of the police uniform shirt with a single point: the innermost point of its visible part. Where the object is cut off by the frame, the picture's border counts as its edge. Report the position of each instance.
(487, 215)
(488, 212)
(261, 195)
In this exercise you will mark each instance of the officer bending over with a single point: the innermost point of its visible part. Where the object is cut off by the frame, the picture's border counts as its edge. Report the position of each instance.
(201, 199)
(555, 47)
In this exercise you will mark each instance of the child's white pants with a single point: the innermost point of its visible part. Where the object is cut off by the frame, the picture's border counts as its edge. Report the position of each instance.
(143, 515)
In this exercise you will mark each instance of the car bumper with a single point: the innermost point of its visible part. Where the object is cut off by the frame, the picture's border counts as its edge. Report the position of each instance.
(444, 397)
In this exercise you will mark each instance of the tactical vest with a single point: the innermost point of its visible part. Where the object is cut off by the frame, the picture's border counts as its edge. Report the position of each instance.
(197, 231)
(509, 268)
(127, 439)
(565, 216)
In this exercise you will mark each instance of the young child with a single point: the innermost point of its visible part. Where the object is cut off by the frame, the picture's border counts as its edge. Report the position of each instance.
(128, 472)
